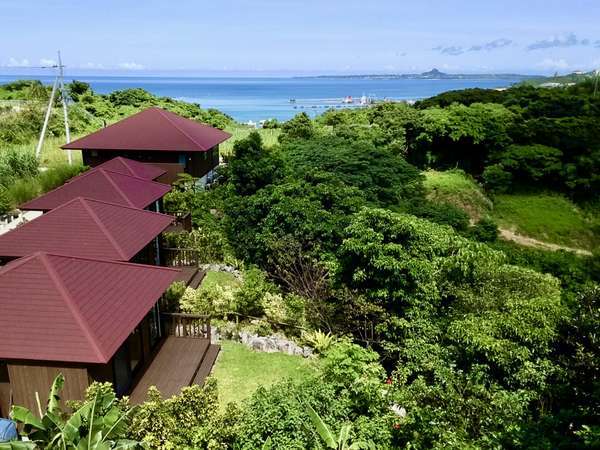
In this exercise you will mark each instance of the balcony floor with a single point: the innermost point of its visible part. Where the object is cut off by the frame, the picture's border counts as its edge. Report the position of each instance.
(178, 363)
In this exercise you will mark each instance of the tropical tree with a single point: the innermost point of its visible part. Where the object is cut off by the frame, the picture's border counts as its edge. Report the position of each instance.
(98, 424)
(340, 442)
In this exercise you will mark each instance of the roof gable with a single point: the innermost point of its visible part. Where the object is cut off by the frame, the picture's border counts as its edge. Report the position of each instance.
(104, 185)
(133, 168)
(153, 129)
(86, 228)
(71, 311)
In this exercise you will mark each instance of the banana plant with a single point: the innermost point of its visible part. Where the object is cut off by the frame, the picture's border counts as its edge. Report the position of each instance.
(96, 425)
(342, 440)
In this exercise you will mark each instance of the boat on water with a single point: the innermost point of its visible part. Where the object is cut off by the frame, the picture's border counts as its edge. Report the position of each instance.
(348, 100)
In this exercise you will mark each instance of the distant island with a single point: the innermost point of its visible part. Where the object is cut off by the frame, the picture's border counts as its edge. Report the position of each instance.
(433, 74)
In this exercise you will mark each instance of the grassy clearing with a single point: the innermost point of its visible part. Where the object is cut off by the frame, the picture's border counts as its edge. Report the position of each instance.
(547, 217)
(223, 279)
(239, 371)
(459, 189)
(268, 135)
(51, 155)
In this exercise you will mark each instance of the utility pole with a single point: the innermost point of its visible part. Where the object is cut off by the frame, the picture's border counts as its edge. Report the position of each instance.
(58, 84)
(38, 149)
(64, 105)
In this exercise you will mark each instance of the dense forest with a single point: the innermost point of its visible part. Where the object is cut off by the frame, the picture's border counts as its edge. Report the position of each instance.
(434, 331)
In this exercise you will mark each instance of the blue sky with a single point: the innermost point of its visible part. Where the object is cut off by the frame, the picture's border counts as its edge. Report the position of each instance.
(297, 37)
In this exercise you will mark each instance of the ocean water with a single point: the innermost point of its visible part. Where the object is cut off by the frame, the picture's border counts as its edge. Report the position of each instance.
(255, 99)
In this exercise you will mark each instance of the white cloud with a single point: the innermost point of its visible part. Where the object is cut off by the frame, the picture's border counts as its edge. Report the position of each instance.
(47, 62)
(14, 62)
(569, 40)
(556, 64)
(130, 66)
(91, 65)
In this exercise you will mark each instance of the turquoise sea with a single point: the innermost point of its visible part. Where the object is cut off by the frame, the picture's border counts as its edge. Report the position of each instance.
(255, 99)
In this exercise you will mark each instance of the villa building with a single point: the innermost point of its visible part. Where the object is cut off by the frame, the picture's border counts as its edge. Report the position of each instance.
(74, 298)
(90, 229)
(104, 185)
(171, 142)
(92, 320)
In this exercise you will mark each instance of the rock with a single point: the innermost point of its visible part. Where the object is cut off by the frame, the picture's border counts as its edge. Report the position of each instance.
(267, 344)
(222, 268)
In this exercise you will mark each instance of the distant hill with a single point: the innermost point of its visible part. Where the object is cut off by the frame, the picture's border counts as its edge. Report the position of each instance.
(562, 80)
(435, 74)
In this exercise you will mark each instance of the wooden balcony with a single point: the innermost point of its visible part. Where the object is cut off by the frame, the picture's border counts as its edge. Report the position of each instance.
(178, 363)
(186, 357)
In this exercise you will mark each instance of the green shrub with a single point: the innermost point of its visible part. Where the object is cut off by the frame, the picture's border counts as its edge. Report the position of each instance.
(496, 179)
(249, 298)
(442, 213)
(348, 389)
(298, 127)
(189, 420)
(271, 124)
(319, 340)
(23, 190)
(173, 295)
(212, 299)
(56, 176)
(5, 201)
(486, 230)
(287, 309)
(17, 163)
(355, 369)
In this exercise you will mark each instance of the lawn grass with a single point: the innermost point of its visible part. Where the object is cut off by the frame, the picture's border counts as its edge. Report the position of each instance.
(547, 217)
(223, 279)
(269, 136)
(239, 371)
(459, 189)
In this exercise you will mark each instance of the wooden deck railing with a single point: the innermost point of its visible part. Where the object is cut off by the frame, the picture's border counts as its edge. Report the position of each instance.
(187, 325)
(180, 257)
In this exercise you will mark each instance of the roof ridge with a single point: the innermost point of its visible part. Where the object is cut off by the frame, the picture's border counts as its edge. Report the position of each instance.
(98, 222)
(124, 162)
(16, 263)
(116, 205)
(131, 176)
(112, 182)
(102, 260)
(69, 144)
(162, 113)
(72, 306)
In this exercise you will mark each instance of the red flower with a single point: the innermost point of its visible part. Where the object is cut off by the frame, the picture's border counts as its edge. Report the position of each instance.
(389, 380)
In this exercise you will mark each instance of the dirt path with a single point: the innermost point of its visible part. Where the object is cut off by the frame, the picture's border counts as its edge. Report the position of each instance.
(510, 235)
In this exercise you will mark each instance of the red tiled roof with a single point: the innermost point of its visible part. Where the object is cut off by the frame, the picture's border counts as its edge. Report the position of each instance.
(153, 129)
(104, 185)
(134, 168)
(59, 308)
(87, 228)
